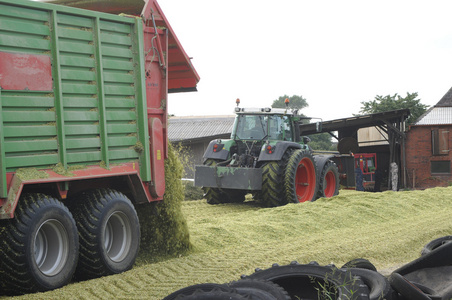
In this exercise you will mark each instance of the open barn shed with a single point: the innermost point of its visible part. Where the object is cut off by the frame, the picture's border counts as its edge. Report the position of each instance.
(390, 125)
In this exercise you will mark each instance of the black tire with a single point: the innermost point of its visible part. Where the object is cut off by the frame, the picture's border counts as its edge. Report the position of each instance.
(429, 247)
(379, 287)
(406, 288)
(197, 288)
(109, 233)
(361, 263)
(313, 282)
(260, 289)
(214, 195)
(439, 257)
(272, 193)
(214, 295)
(39, 247)
(300, 178)
(328, 180)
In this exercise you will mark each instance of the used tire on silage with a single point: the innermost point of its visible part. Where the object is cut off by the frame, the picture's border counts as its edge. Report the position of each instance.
(306, 281)
(260, 289)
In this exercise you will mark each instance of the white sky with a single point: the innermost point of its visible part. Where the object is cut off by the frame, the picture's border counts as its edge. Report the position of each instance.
(333, 53)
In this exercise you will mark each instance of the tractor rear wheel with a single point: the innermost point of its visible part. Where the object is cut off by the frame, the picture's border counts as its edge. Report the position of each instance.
(109, 233)
(300, 179)
(40, 246)
(329, 180)
(272, 193)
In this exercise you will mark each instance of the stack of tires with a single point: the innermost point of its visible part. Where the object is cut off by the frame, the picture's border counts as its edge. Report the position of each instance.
(295, 281)
(426, 278)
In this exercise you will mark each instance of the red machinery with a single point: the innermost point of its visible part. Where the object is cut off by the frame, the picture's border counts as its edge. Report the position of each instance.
(367, 162)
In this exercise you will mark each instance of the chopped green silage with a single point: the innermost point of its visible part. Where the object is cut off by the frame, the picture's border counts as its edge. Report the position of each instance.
(138, 147)
(30, 173)
(388, 228)
(164, 229)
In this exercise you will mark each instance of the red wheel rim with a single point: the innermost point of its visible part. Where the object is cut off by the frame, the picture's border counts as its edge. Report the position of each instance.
(329, 184)
(305, 180)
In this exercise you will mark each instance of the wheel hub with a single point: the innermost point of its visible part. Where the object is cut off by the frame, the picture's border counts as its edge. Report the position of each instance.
(51, 247)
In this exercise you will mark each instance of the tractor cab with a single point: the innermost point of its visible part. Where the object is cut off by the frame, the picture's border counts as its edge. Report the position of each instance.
(267, 125)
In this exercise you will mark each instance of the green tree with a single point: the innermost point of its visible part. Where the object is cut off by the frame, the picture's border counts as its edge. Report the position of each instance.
(321, 141)
(296, 102)
(394, 102)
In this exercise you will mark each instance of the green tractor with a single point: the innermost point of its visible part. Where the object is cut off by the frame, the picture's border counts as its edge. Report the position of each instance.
(268, 157)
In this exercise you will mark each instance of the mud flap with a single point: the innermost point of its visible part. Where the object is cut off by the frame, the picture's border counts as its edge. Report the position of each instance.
(229, 178)
(157, 141)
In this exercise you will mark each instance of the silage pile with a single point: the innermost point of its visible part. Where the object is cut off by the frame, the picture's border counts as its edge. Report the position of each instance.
(164, 228)
(388, 228)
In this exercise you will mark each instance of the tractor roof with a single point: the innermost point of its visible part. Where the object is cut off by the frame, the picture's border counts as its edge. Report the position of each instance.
(263, 111)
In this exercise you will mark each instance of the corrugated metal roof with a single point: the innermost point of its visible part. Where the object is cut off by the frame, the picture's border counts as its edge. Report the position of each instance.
(187, 128)
(436, 116)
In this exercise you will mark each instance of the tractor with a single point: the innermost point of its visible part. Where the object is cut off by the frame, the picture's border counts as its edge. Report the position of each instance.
(267, 157)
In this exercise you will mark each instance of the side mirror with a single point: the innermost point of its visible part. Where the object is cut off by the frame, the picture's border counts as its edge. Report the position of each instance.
(318, 126)
(306, 140)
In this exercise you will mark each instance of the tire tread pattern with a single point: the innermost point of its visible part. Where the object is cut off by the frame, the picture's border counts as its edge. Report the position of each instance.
(329, 166)
(273, 181)
(88, 214)
(290, 174)
(15, 273)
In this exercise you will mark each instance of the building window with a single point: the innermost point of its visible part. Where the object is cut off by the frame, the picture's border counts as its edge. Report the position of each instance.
(440, 167)
(440, 142)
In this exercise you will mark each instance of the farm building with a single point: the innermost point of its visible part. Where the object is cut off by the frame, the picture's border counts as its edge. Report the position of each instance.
(195, 134)
(428, 144)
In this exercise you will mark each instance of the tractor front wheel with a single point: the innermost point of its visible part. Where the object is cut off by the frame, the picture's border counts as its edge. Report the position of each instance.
(300, 180)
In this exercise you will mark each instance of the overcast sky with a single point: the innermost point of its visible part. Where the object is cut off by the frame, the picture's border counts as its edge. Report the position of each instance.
(333, 53)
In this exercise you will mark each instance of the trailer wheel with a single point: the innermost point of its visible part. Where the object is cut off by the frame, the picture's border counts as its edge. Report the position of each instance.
(329, 180)
(109, 233)
(272, 193)
(40, 246)
(300, 180)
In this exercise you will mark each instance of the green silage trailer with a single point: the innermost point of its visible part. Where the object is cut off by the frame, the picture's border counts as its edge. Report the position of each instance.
(83, 136)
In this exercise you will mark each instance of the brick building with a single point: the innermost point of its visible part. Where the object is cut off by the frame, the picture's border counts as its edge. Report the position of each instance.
(428, 143)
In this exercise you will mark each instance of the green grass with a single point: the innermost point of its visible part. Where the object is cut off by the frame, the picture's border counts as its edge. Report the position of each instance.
(228, 240)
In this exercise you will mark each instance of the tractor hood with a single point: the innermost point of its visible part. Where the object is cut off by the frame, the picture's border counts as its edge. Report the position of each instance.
(182, 76)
